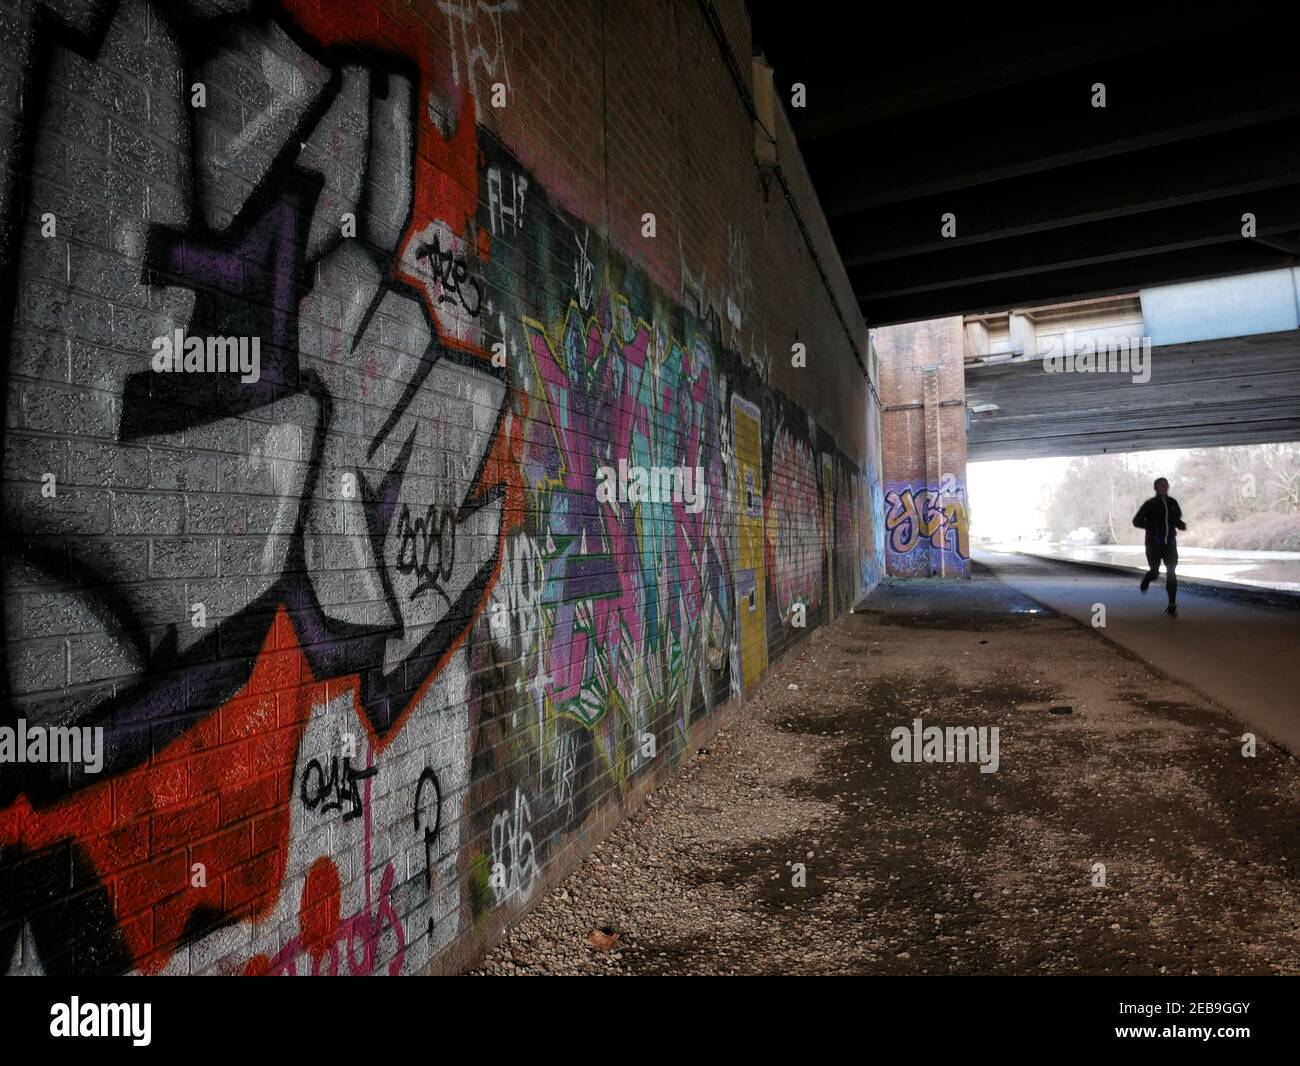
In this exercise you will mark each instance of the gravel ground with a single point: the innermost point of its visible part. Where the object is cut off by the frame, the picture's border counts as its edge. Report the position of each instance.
(936, 868)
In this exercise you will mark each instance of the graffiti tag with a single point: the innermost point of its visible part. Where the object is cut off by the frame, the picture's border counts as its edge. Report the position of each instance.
(938, 517)
(426, 547)
(329, 792)
(451, 272)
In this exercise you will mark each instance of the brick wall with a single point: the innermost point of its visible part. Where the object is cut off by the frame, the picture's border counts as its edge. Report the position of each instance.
(923, 445)
(373, 638)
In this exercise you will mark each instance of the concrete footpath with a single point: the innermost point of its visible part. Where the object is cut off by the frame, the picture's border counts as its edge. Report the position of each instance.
(1243, 655)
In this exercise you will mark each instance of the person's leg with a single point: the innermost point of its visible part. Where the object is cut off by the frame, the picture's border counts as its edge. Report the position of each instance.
(1153, 566)
(1171, 580)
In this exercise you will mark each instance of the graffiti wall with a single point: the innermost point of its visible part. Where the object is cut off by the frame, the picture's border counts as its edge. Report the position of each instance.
(380, 518)
(871, 528)
(871, 537)
(927, 529)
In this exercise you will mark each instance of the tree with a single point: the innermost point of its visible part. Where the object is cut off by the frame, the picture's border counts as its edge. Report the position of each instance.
(1241, 496)
(1101, 492)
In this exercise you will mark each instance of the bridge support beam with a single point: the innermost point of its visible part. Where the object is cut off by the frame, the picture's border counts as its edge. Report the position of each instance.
(923, 442)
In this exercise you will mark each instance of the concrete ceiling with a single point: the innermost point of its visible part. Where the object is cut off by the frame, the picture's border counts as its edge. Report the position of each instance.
(1242, 390)
(910, 115)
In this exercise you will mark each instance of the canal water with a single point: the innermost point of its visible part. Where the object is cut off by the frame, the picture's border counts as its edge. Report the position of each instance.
(1276, 570)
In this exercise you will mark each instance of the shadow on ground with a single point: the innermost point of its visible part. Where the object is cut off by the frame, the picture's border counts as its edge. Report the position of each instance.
(1129, 835)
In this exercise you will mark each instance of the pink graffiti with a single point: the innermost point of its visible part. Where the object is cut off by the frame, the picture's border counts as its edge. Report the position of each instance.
(327, 948)
(613, 387)
(794, 519)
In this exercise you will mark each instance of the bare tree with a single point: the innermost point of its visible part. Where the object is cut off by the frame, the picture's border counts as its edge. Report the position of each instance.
(1100, 492)
(1250, 489)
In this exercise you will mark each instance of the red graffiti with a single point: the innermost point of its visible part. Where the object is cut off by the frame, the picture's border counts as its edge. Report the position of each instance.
(445, 197)
(201, 831)
(318, 917)
(445, 187)
(327, 940)
(218, 796)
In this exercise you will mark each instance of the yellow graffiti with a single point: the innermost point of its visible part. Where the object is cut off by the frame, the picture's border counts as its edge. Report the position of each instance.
(751, 604)
(936, 516)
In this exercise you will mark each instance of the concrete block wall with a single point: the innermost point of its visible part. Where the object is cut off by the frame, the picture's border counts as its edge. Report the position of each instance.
(923, 446)
(373, 656)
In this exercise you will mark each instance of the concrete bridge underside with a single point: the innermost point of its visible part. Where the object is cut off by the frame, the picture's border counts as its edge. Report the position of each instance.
(1239, 390)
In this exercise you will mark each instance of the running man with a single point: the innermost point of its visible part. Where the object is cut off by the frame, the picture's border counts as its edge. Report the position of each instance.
(1162, 518)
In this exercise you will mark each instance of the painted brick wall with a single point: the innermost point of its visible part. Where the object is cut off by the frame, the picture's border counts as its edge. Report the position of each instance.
(375, 654)
(923, 444)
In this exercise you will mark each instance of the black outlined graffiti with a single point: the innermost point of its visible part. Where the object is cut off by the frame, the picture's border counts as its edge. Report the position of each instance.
(329, 791)
(451, 272)
(428, 783)
(298, 507)
(427, 547)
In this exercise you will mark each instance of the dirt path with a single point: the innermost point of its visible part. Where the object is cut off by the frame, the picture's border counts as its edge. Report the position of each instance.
(936, 867)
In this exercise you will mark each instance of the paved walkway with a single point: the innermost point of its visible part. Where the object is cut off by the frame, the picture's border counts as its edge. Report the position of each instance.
(1244, 656)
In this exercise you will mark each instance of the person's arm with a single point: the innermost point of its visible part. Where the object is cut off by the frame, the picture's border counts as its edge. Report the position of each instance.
(1140, 519)
(1178, 516)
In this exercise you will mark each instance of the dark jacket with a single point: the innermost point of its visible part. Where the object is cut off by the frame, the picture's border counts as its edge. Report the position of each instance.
(1162, 518)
